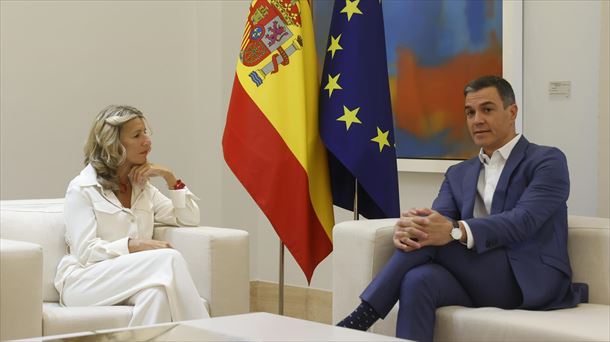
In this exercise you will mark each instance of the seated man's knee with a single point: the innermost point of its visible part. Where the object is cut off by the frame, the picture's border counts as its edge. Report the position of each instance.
(419, 280)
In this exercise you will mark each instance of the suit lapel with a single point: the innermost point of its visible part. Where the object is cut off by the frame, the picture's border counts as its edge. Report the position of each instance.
(516, 155)
(469, 188)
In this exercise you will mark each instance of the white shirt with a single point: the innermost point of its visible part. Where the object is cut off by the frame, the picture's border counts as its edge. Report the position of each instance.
(98, 227)
(488, 180)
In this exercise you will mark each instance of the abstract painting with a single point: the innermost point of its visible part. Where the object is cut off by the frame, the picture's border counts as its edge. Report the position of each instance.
(433, 48)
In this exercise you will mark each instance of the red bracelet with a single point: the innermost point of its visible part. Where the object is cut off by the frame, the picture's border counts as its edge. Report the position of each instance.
(179, 185)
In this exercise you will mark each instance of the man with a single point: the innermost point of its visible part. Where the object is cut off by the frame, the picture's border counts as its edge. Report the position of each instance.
(496, 234)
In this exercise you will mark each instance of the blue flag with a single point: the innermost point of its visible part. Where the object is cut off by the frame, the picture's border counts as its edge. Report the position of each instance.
(356, 113)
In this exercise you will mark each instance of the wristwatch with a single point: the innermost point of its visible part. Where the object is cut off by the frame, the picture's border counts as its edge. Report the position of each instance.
(456, 232)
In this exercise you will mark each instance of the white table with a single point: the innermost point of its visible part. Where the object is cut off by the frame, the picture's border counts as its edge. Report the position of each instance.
(259, 326)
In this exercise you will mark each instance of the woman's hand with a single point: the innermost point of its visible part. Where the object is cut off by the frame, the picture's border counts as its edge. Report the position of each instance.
(138, 245)
(140, 174)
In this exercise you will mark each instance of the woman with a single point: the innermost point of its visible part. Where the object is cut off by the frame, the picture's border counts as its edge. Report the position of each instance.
(110, 210)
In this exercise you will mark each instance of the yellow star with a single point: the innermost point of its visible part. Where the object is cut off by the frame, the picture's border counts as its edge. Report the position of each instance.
(334, 45)
(351, 8)
(333, 83)
(349, 117)
(381, 139)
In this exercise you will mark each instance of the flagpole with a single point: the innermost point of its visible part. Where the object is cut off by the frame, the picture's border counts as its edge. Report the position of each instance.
(281, 283)
(356, 214)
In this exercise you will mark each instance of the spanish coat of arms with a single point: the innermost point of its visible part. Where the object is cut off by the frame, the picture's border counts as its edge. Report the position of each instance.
(267, 29)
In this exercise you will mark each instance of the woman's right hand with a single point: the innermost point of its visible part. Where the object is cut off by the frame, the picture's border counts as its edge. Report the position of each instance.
(138, 245)
(140, 174)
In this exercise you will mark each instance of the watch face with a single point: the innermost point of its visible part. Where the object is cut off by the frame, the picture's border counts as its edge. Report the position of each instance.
(456, 233)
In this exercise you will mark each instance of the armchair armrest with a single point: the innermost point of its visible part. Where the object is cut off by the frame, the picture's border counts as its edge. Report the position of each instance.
(218, 260)
(360, 249)
(20, 289)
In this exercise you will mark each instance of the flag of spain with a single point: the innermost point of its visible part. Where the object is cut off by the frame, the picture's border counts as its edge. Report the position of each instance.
(271, 140)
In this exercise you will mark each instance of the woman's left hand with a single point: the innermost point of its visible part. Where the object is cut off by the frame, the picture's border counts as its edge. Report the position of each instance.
(140, 174)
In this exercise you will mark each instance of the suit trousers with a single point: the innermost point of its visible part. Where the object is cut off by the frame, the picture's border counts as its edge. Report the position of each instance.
(156, 282)
(432, 277)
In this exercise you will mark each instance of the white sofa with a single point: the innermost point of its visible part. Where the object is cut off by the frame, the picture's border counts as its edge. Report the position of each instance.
(361, 249)
(32, 243)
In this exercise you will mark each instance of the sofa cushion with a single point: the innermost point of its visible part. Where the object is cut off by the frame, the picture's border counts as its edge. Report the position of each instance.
(590, 255)
(40, 222)
(586, 322)
(58, 319)
(20, 289)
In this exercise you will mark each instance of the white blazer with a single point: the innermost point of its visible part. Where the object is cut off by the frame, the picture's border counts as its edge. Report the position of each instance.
(98, 227)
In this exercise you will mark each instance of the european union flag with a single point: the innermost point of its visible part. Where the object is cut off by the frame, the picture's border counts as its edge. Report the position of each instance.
(356, 113)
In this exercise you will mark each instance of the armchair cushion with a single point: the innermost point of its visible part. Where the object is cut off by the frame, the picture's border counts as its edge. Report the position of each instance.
(589, 250)
(587, 322)
(40, 222)
(59, 319)
(360, 250)
(20, 289)
(218, 260)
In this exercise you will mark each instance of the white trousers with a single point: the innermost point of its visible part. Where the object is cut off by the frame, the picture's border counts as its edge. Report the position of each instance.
(156, 282)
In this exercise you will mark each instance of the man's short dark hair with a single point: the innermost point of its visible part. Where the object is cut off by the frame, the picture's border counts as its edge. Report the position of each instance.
(502, 86)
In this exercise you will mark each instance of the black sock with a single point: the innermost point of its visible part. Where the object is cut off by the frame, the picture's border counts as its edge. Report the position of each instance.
(360, 319)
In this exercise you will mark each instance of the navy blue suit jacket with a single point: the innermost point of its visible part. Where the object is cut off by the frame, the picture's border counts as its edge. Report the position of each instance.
(528, 218)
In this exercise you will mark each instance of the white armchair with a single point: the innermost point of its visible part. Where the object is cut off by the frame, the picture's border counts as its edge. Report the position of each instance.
(361, 249)
(32, 243)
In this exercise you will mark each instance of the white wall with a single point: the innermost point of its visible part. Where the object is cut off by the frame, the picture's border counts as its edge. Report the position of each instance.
(62, 61)
(604, 114)
(61, 64)
(562, 43)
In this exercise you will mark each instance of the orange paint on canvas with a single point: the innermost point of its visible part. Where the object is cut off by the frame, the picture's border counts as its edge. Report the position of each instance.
(429, 100)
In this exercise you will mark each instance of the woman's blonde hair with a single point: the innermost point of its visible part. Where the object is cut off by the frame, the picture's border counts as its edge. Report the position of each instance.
(103, 149)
